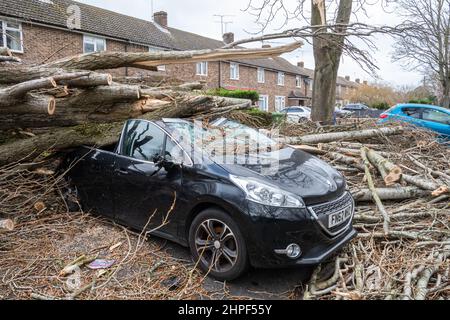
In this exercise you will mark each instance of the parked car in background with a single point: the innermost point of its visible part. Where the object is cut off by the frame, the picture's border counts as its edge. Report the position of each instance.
(359, 110)
(261, 206)
(340, 113)
(426, 116)
(297, 114)
(355, 107)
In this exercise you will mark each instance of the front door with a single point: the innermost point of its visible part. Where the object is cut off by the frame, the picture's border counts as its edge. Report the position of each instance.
(144, 190)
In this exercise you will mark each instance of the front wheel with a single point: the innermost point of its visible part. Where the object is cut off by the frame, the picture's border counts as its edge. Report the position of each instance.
(217, 245)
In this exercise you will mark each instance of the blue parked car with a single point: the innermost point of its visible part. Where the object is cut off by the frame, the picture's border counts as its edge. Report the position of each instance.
(422, 115)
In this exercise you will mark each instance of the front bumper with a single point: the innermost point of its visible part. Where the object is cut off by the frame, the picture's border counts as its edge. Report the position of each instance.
(271, 229)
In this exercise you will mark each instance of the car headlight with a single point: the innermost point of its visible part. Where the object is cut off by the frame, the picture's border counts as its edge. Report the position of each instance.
(262, 193)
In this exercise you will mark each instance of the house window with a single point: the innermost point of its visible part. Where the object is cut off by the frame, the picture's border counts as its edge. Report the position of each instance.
(298, 81)
(11, 36)
(202, 68)
(261, 75)
(281, 78)
(263, 102)
(280, 103)
(234, 71)
(93, 44)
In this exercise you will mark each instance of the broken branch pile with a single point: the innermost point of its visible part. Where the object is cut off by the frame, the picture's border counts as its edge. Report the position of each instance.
(400, 178)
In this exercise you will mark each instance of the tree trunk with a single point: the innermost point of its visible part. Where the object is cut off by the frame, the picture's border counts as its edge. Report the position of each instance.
(99, 129)
(144, 60)
(346, 135)
(445, 99)
(327, 56)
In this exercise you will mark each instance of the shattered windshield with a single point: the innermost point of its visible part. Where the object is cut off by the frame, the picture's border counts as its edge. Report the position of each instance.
(226, 141)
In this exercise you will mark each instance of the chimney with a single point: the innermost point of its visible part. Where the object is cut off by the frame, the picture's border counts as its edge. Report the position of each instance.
(347, 78)
(160, 18)
(228, 37)
(358, 81)
(301, 64)
(266, 46)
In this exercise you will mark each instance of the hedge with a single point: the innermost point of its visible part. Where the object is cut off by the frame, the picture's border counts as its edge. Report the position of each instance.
(240, 94)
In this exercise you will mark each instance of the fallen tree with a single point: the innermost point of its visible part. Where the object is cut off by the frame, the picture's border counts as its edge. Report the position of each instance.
(70, 102)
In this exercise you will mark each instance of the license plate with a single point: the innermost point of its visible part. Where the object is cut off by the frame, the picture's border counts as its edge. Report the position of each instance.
(339, 217)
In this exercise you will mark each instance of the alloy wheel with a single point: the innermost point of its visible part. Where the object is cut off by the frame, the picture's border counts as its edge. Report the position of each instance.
(216, 245)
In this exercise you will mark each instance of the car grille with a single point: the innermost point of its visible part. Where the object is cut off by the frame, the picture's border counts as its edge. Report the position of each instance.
(322, 211)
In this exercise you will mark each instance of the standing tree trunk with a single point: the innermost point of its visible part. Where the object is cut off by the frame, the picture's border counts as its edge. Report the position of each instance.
(445, 99)
(327, 56)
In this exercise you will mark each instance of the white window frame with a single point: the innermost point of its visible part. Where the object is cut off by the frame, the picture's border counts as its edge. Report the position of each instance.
(264, 97)
(201, 68)
(234, 71)
(298, 81)
(280, 78)
(261, 75)
(280, 103)
(4, 24)
(86, 39)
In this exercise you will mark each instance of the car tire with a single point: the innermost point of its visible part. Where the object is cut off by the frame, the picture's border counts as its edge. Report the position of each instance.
(223, 242)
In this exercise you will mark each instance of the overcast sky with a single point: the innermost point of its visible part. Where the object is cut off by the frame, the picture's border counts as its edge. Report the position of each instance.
(198, 16)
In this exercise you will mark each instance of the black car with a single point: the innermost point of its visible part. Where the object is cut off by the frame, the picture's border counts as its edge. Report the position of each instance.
(263, 204)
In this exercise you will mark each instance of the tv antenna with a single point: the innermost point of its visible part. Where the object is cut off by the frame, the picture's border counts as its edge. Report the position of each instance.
(223, 22)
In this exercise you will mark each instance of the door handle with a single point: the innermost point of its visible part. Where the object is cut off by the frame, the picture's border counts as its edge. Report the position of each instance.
(121, 171)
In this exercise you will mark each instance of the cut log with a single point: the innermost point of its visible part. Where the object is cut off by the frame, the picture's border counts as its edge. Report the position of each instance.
(347, 135)
(6, 224)
(401, 193)
(12, 95)
(93, 80)
(33, 106)
(390, 172)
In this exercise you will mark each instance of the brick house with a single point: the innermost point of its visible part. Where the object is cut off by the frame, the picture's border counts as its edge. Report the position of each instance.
(38, 31)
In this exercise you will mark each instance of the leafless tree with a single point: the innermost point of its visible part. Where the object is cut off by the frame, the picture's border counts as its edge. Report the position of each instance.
(326, 25)
(426, 45)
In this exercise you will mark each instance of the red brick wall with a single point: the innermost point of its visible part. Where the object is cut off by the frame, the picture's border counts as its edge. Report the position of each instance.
(43, 44)
(247, 80)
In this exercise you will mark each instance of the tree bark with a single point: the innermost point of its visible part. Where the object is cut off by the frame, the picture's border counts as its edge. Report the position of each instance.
(346, 135)
(327, 56)
(112, 60)
(99, 129)
(390, 172)
(403, 193)
(33, 106)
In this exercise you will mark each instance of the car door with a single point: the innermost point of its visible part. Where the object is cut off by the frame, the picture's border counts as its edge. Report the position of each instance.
(92, 171)
(144, 191)
(436, 120)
